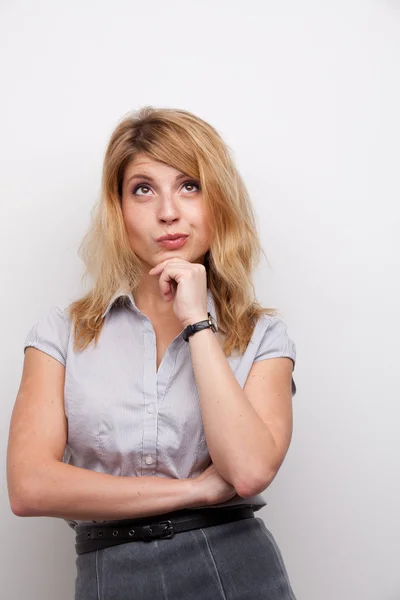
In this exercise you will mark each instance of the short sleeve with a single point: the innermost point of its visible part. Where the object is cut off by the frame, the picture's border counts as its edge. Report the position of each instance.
(50, 334)
(276, 343)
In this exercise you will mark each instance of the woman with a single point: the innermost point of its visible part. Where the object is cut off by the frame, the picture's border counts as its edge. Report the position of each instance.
(152, 418)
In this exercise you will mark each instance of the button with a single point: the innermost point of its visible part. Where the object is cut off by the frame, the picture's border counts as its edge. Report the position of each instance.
(149, 459)
(150, 408)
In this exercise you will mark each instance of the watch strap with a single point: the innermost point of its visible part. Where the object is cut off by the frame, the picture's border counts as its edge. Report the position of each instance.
(192, 329)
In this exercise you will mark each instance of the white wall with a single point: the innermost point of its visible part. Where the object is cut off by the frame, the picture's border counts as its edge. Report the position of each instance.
(307, 95)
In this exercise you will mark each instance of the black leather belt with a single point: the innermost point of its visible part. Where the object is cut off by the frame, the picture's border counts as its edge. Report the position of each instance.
(89, 538)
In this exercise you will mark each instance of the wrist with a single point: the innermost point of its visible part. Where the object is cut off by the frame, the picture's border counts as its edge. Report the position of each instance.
(193, 492)
(195, 319)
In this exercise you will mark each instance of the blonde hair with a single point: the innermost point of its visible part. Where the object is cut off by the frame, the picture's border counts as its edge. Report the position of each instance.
(189, 144)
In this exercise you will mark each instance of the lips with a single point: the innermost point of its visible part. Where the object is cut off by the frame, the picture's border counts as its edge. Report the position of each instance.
(173, 242)
(172, 236)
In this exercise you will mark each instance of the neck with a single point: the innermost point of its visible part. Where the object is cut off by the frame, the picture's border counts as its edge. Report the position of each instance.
(148, 298)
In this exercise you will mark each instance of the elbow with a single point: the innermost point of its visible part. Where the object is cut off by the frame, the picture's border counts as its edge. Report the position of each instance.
(19, 508)
(251, 486)
(29, 490)
(22, 502)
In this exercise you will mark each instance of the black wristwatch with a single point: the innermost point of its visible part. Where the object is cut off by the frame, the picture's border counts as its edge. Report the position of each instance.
(191, 329)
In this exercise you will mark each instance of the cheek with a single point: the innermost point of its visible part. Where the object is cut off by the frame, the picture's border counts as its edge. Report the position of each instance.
(135, 222)
(206, 228)
(137, 237)
(200, 219)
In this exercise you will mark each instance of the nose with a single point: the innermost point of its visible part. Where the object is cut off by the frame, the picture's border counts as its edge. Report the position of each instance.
(168, 209)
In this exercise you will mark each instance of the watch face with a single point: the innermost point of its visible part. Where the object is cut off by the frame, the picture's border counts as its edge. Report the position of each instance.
(212, 322)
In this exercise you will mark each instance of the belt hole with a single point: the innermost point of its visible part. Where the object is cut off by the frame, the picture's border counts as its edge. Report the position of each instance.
(131, 532)
(100, 532)
(115, 532)
(88, 533)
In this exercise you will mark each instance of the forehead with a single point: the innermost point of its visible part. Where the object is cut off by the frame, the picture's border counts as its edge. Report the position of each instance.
(142, 163)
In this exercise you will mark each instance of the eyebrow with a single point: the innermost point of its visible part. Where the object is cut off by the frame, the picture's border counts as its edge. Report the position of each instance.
(150, 178)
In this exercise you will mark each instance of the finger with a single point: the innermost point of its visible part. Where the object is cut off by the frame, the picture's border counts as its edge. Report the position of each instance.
(166, 282)
(158, 268)
(163, 284)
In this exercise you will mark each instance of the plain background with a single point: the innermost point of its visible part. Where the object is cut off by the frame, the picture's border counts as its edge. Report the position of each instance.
(307, 96)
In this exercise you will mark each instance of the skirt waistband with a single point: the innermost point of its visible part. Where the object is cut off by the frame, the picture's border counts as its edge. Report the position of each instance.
(164, 526)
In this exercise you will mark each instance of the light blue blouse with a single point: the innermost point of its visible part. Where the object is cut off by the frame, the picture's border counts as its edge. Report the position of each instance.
(124, 417)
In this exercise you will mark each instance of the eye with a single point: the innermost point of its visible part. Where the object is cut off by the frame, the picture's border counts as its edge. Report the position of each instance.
(142, 185)
(192, 183)
(145, 186)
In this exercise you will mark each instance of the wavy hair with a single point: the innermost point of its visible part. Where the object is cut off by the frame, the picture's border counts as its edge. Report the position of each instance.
(189, 144)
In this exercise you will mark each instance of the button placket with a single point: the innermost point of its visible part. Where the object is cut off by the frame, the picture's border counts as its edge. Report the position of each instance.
(167, 366)
(149, 399)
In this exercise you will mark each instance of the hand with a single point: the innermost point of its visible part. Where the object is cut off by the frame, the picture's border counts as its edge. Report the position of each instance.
(212, 488)
(185, 284)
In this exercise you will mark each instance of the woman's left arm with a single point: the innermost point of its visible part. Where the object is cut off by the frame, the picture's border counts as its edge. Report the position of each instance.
(248, 431)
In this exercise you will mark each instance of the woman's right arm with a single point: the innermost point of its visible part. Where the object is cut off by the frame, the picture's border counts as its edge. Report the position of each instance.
(40, 484)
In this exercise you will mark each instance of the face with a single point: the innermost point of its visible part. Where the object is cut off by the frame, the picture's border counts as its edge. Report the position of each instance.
(157, 199)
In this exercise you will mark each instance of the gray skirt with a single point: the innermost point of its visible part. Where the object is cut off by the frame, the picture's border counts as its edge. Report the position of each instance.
(239, 560)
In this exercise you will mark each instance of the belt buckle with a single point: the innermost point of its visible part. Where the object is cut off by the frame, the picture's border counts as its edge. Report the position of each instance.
(149, 533)
(170, 529)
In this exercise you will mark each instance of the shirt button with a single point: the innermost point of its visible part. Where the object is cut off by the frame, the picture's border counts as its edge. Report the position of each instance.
(149, 459)
(150, 408)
